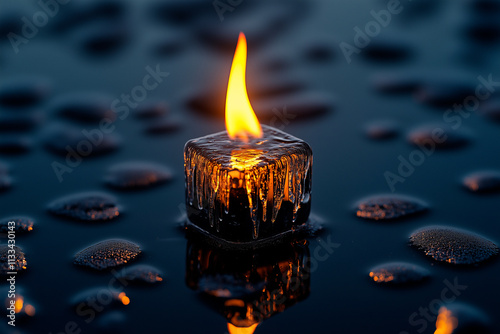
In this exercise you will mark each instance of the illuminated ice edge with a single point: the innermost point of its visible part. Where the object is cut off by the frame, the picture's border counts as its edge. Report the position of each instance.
(207, 163)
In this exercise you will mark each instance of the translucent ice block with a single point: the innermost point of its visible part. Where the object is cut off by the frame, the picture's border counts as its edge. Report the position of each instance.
(246, 191)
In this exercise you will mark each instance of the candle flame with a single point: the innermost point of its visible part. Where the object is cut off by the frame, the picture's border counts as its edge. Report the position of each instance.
(241, 121)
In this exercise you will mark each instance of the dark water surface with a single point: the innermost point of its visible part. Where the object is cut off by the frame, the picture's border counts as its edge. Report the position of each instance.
(428, 57)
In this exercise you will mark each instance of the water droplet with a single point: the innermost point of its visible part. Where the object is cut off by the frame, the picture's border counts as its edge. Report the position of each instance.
(422, 9)
(77, 14)
(445, 92)
(102, 38)
(396, 83)
(483, 181)
(152, 109)
(112, 322)
(3, 168)
(274, 61)
(110, 9)
(453, 245)
(398, 273)
(22, 224)
(207, 102)
(85, 107)
(135, 175)
(15, 145)
(9, 22)
(90, 207)
(384, 207)
(23, 92)
(272, 18)
(283, 110)
(490, 109)
(486, 7)
(319, 51)
(178, 11)
(459, 318)
(381, 130)
(6, 266)
(141, 274)
(107, 254)
(167, 45)
(164, 126)
(82, 143)
(387, 49)
(484, 30)
(103, 297)
(275, 86)
(5, 182)
(19, 122)
(439, 136)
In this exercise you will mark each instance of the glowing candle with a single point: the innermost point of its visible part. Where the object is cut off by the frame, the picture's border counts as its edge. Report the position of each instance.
(251, 182)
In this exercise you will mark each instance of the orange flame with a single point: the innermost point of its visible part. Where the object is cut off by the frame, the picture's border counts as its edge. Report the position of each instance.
(241, 121)
(241, 330)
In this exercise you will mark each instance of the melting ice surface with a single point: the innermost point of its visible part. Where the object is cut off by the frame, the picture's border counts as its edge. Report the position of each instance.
(271, 169)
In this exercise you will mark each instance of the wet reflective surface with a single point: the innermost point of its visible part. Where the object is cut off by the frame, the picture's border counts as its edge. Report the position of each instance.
(371, 121)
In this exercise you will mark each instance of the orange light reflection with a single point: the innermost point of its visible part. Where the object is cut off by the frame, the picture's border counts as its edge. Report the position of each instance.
(240, 330)
(446, 322)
